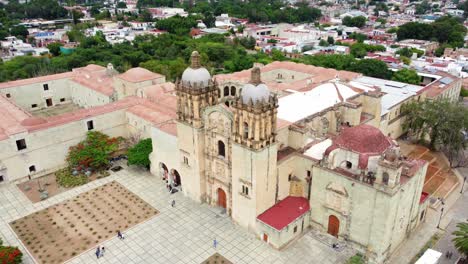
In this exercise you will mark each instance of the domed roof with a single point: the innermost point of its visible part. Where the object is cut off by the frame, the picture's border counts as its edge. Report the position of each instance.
(255, 90)
(195, 74)
(362, 139)
(33, 121)
(255, 93)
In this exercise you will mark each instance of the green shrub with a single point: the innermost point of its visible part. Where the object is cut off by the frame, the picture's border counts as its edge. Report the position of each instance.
(66, 179)
(356, 259)
(463, 92)
(139, 154)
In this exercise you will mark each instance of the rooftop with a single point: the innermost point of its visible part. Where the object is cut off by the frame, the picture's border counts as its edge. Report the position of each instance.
(139, 74)
(285, 212)
(394, 92)
(300, 105)
(307, 77)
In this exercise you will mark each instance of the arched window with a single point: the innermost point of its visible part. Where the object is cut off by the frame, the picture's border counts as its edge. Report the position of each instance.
(246, 130)
(385, 178)
(226, 90)
(32, 168)
(221, 149)
(233, 91)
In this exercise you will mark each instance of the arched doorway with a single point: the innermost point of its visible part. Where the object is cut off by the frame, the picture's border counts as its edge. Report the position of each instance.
(333, 225)
(177, 181)
(221, 198)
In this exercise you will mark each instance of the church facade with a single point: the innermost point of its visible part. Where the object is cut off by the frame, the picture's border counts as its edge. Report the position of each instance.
(281, 148)
(278, 176)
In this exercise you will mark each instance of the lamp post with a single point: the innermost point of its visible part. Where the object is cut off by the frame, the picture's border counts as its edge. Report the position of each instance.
(440, 218)
(463, 185)
(441, 212)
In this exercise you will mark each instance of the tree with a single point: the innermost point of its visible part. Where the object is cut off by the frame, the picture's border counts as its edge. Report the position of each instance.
(19, 31)
(145, 16)
(335, 61)
(358, 21)
(461, 238)
(371, 67)
(358, 36)
(177, 24)
(248, 42)
(121, 5)
(446, 29)
(139, 154)
(407, 76)
(76, 16)
(323, 43)
(94, 152)
(54, 48)
(358, 50)
(422, 8)
(440, 122)
(408, 52)
(3, 34)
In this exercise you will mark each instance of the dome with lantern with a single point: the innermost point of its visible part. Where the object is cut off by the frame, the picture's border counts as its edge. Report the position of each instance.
(255, 90)
(196, 74)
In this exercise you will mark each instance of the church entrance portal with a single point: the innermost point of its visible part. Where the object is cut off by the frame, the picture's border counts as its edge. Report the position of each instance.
(221, 198)
(333, 225)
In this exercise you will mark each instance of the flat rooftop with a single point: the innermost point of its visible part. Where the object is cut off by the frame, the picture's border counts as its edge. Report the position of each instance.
(395, 92)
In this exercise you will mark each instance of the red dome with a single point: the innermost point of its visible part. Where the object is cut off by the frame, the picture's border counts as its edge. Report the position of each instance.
(33, 121)
(362, 139)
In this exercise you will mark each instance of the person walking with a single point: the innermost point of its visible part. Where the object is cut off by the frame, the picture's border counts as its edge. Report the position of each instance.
(215, 243)
(103, 250)
(119, 235)
(98, 252)
(173, 203)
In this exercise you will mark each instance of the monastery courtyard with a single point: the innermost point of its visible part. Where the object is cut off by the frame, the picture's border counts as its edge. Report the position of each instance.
(180, 234)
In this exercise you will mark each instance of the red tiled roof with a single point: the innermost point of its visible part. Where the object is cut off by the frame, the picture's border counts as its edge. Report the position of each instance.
(285, 212)
(363, 139)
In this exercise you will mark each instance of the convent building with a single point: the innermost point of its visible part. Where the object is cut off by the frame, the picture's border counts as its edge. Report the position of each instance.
(281, 148)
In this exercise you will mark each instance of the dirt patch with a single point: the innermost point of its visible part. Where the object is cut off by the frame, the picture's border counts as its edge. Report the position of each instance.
(48, 182)
(65, 230)
(217, 259)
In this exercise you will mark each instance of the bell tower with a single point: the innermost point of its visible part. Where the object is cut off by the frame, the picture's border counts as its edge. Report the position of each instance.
(254, 151)
(195, 91)
(255, 114)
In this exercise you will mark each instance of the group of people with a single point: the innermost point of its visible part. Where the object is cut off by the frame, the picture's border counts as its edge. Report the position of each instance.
(171, 184)
(101, 250)
(448, 254)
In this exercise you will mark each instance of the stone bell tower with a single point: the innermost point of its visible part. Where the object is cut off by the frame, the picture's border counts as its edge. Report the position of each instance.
(195, 91)
(255, 114)
(254, 151)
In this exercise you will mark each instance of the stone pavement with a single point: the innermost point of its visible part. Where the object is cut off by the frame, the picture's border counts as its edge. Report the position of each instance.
(183, 234)
(453, 207)
(458, 213)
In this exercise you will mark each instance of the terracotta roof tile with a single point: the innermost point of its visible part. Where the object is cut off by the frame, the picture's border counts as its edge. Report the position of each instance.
(285, 212)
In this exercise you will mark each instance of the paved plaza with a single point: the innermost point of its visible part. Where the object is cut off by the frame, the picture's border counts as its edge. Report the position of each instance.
(180, 234)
